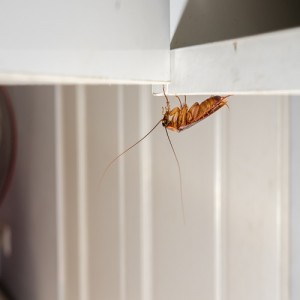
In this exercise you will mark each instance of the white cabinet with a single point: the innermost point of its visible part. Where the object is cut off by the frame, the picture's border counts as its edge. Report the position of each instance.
(201, 47)
(84, 41)
(267, 64)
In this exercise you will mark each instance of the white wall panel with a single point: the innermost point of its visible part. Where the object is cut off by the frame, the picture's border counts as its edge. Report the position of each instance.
(184, 250)
(71, 210)
(256, 200)
(295, 197)
(126, 238)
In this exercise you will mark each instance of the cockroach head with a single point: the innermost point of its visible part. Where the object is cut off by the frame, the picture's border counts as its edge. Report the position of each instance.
(165, 120)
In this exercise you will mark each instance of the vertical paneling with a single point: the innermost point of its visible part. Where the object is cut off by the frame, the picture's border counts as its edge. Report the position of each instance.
(295, 197)
(220, 189)
(60, 191)
(233, 243)
(236, 195)
(122, 198)
(115, 230)
(103, 206)
(70, 201)
(112, 210)
(132, 188)
(183, 251)
(256, 198)
(82, 192)
(126, 238)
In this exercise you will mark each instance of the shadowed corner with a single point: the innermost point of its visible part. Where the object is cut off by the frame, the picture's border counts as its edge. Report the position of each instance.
(203, 22)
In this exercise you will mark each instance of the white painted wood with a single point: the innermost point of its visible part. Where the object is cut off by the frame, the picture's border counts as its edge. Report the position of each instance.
(82, 193)
(126, 238)
(234, 245)
(220, 190)
(84, 42)
(122, 199)
(146, 196)
(103, 204)
(295, 198)
(261, 64)
(60, 192)
(137, 272)
(184, 252)
(71, 213)
(257, 199)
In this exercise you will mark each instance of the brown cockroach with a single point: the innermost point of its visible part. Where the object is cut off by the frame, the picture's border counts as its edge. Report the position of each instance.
(180, 118)
(183, 117)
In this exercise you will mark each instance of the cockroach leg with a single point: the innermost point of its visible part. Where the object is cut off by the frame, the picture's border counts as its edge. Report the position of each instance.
(167, 99)
(179, 100)
(178, 119)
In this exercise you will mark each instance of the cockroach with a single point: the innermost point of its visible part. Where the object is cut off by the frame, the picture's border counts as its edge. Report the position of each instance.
(178, 119)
